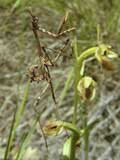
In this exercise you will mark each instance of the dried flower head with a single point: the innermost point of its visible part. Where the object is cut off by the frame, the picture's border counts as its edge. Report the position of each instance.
(87, 88)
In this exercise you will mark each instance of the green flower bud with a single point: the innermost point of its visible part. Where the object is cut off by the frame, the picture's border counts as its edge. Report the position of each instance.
(87, 88)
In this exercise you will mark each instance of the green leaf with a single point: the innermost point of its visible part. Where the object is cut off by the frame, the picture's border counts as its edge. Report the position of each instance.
(66, 148)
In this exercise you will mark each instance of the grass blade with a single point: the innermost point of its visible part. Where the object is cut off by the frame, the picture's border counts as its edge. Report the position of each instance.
(15, 122)
(67, 85)
(15, 5)
(22, 105)
(10, 138)
(26, 140)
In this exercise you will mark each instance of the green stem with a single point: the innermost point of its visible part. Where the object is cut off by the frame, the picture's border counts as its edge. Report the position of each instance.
(86, 54)
(16, 120)
(71, 127)
(74, 121)
(86, 134)
(77, 77)
(78, 65)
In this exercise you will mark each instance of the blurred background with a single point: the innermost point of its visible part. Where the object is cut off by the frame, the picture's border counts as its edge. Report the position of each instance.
(18, 52)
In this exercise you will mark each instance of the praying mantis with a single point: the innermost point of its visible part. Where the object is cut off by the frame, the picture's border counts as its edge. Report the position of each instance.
(42, 72)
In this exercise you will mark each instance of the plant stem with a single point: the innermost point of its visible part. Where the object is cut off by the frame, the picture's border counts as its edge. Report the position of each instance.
(77, 76)
(86, 54)
(74, 121)
(86, 134)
